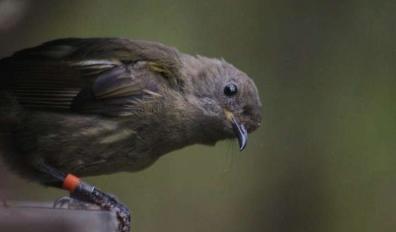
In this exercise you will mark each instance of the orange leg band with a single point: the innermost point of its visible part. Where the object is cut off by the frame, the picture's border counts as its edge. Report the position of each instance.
(71, 182)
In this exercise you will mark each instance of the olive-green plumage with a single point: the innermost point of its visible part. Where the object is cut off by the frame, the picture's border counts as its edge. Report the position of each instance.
(104, 105)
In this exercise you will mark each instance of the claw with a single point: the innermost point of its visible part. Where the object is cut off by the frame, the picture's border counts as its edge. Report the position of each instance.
(60, 202)
(71, 203)
(105, 201)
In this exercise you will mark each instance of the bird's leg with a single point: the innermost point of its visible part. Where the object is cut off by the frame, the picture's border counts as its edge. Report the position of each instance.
(89, 193)
(85, 192)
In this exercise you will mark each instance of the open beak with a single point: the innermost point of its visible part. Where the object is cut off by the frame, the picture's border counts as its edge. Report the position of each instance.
(239, 130)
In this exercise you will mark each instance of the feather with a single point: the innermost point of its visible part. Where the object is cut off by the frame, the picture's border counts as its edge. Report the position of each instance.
(96, 76)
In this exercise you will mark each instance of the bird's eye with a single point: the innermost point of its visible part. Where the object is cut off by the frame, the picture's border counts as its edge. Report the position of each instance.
(230, 90)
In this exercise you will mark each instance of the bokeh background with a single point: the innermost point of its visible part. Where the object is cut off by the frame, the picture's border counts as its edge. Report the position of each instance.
(324, 158)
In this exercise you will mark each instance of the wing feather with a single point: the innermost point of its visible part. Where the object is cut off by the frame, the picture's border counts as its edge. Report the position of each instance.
(99, 76)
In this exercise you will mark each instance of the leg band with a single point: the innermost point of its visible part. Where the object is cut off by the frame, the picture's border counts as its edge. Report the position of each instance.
(71, 183)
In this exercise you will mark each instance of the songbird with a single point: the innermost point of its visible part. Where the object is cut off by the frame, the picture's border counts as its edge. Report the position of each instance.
(96, 106)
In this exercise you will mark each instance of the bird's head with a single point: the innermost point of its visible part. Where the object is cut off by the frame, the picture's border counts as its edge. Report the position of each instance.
(226, 97)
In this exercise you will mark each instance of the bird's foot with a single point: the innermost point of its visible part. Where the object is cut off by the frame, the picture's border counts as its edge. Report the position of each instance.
(88, 193)
(69, 202)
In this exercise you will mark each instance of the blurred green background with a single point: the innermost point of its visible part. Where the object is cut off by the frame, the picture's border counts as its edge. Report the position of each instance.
(324, 157)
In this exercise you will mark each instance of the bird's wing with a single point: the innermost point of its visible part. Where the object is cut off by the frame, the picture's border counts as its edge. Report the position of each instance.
(161, 58)
(103, 76)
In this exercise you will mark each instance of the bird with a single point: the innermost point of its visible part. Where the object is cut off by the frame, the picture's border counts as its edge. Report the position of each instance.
(77, 107)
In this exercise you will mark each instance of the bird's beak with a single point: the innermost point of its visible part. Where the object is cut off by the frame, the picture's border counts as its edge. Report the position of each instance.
(239, 130)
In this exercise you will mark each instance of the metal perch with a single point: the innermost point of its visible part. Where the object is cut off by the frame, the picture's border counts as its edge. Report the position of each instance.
(41, 216)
